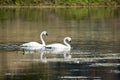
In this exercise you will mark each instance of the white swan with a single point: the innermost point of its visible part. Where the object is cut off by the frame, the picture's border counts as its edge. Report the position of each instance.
(34, 45)
(59, 48)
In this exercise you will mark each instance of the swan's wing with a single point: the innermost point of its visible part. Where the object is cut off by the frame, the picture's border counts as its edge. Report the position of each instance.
(55, 46)
(31, 45)
(34, 44)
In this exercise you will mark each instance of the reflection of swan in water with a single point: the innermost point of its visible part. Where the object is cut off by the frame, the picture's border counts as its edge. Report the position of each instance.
(59, 48)
(43, 59)
(30, 46)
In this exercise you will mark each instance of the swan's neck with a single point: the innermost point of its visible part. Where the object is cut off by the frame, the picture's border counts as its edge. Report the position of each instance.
(67, 44)
(43, 42)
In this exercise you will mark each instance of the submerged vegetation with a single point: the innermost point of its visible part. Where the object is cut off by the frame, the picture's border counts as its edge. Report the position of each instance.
(60, 2)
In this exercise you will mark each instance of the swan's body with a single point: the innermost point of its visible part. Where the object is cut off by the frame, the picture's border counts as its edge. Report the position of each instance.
(31, 46)
(34, 45)
(58, 48)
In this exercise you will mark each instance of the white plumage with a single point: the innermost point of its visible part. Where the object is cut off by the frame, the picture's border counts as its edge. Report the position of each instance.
(58, 47)
(34, 45)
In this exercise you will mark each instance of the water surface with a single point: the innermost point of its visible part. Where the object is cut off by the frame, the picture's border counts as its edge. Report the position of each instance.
(95, 43)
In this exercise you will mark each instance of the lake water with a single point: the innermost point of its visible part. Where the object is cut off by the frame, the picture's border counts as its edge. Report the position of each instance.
(95, 43)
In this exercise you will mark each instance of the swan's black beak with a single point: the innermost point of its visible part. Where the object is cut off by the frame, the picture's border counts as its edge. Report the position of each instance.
(70, 41)
(46, 34)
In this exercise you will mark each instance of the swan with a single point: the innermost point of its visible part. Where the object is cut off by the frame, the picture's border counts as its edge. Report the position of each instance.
(34, 45)
(59, 48)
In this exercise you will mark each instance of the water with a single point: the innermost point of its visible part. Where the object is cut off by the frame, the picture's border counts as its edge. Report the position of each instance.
(95, 43)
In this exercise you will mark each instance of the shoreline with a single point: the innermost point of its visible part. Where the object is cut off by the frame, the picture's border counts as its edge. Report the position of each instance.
(53, 6)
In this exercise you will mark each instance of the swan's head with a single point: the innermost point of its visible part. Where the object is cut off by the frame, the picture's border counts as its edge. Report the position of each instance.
(44, 33)
(68, 38)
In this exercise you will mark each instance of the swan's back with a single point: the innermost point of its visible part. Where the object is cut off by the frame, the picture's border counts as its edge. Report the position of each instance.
(31, 45)
(56, 46)
(59, 46)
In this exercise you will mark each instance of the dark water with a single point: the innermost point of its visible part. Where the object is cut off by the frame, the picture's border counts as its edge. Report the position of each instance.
(95, 43)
